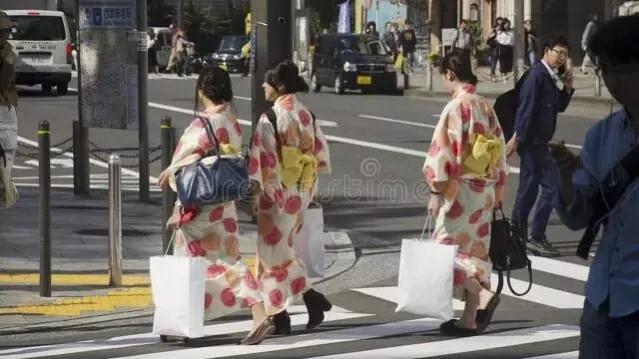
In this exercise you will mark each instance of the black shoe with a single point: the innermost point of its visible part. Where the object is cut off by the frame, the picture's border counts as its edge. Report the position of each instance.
(316, 305)
(450, 328)
(282, 323)
(541, 247)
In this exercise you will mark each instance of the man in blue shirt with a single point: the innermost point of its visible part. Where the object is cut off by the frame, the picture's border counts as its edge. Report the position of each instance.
(539, 101)
(601, 187)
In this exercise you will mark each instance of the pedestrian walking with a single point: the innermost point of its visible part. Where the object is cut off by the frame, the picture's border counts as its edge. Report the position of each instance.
(466, 171)
(600, 187)
(408, 43)
(152, 47)
(288, 150)
(8, 114)
(392, 39)
(591, 28)
(540, 99)
(505, 43)
(179, 55)
(493, 48)
(464, 41)
(530, 41)
(211, 231)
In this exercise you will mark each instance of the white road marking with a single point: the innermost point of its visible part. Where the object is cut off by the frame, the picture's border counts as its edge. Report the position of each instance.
(149, 338)
(560, 268)
(467, 345)
(300, 341)
(392, 120)
(243, 98)
(390, 294)
(567, 355)
(125, 188)
(542, 295)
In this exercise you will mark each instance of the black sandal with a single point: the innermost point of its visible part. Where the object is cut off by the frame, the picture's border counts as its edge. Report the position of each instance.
(484, 316)
(450, 328)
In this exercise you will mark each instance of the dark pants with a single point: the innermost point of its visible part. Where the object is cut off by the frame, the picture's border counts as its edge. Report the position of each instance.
(464, 53)
(494, 59)
(537, 169)
(606, 337)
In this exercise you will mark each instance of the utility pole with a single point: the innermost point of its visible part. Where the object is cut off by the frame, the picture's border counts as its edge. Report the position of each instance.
(519, 40)
(143, 128)
(271, 43)
(180, 14)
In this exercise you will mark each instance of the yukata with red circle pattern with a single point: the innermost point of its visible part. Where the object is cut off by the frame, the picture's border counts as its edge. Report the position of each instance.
(469, 198)
(281, 274)
(211, 231)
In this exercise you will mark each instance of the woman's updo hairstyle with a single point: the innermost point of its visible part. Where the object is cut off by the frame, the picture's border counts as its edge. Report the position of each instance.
(460, 66)
(215, 84)
(285, 77)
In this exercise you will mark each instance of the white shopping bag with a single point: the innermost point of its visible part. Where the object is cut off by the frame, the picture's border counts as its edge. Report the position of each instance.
(309, 242)
(425, 282)
(178, 294)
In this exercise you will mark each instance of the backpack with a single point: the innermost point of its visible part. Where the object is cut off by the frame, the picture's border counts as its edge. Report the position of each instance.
(506, 108)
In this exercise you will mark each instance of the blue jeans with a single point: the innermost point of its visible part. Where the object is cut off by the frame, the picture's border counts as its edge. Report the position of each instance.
(606, 337)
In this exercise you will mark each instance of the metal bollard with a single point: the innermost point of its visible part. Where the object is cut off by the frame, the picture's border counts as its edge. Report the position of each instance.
(115, 221)
(168, 196)
(44, 171)
(429, 76)
(81, 185)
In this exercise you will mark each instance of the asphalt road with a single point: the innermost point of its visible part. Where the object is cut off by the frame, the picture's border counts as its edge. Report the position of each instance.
(375, 193)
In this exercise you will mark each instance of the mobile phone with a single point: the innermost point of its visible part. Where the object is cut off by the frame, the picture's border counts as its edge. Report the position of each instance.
(561, 70)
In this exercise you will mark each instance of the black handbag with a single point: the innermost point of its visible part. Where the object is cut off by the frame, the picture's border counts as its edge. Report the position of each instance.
(226, 179)
(508, 251)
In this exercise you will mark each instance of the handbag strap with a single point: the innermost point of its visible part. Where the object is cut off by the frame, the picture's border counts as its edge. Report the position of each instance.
(211, 135)
(530, 281)
(427, 224)
(498, 210)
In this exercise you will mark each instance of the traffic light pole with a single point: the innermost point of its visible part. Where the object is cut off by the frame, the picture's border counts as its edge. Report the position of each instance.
(520, 48)
(271, 43)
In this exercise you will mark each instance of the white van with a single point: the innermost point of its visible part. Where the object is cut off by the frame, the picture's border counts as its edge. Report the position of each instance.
(42, 41)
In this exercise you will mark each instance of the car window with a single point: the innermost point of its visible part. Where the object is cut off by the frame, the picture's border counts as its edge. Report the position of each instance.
(233, 43)
(361, 45)
(38, 28)
(164, 38)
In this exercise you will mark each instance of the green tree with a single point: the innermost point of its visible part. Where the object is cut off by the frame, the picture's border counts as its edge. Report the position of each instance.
(200, 24)
(159, 14)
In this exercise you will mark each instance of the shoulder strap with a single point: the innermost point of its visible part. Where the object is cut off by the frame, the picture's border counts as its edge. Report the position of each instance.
(272, 118)
(211, 134)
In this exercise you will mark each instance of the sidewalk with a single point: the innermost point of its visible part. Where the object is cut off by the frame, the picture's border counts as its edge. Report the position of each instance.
(584, 87)
(79, 242)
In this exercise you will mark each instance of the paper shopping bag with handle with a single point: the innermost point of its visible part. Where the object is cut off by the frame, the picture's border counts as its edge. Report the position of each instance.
(426, 277)
(178, 295)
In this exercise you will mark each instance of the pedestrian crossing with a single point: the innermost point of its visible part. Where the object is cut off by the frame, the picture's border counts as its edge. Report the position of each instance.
(356, 329)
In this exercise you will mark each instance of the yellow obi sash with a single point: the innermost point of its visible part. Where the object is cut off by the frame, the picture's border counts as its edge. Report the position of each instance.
(298, 168)
(228, 149)
(483, 155)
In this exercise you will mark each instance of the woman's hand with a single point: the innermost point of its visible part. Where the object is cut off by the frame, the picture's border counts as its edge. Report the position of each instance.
(163, 179)
(174, 221)
(434, 204)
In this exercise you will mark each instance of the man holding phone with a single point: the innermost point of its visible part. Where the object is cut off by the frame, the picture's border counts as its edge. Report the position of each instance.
(539, 102)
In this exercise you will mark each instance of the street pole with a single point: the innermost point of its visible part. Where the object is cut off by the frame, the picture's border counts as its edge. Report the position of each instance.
(81, 169)
(180, 14)
(143, 130)
(115, 221)
(519, 40)
(270, 44)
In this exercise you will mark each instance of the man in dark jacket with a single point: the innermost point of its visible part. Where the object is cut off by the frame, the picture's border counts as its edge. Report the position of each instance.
(408, 41)
(540, 99)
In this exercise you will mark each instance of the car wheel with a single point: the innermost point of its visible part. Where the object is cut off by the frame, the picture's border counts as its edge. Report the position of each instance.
(62, 89)
(339, 86)
(314, 84)
(46, 88)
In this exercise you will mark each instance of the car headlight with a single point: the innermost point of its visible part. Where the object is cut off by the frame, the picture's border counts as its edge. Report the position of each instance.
(237, 57)
(215, 56)
(348, 67)
(390, 68)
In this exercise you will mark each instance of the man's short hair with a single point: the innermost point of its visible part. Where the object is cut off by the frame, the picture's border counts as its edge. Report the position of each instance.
(463, 21)
(557, 41)
(616, 40)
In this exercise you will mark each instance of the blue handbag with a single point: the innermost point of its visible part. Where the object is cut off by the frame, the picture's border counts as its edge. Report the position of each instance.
(205, 183)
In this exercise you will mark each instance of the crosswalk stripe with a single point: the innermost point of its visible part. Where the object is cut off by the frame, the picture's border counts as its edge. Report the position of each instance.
(568, 355)
(390, 294)
(149, 338)
(542, 295)
(465, 345)
(560, 268)
(300, 341)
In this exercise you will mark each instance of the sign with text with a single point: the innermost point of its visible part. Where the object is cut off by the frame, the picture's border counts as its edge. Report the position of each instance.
(108, 63)
(107, 14)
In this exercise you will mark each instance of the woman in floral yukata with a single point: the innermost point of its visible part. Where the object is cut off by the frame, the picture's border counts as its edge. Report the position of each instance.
(466, 170)
(283, 167)
(211, 231)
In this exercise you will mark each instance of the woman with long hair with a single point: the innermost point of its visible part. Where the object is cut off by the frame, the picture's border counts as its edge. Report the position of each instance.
(287, 152)
(211, 231)
(466, 171)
